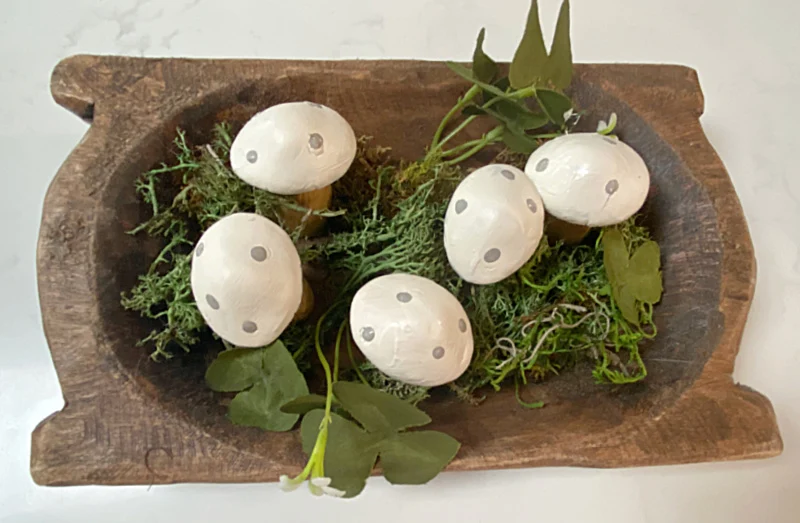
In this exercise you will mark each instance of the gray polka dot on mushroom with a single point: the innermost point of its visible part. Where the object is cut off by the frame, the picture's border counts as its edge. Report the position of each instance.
(249, 327)
(542, 165)
(212, 302)
(462, 325)
(252, 156)
(461, 206)
(531, 204)
(315, 141)
(492, 255)
(368, 333)
(199, 250)
(258, 253)
(438, 353)
(507, 174)
(612, 187)
(403, 297)
(314, 104)
(610, 140)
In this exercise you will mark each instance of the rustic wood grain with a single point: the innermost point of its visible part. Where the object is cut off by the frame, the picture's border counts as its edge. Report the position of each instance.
(128, 420)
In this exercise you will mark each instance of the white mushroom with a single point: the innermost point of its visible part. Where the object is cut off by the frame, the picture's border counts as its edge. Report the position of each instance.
(412, 329)
(246, 279)
(493, 224)
(293, 148)
(589, 179)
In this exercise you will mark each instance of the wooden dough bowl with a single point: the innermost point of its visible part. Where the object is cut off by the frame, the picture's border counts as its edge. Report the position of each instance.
(128, 420)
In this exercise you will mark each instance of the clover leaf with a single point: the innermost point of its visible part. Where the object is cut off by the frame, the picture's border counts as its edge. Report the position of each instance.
(633, 279)
(304, 404)
(528, 63)
(410, 458)
(531, 64)
(414, 458)
(266, 378)
(558, 68)
(483, 67)
(350, 453)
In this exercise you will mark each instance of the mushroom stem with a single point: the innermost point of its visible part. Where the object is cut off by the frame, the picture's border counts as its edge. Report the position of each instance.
(306, 303)
(311, 224)
(559, 230)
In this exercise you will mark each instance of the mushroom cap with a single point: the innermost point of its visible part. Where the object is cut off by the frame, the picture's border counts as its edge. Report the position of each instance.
(412, 329)
(293, 148)
(493, 224)
(246, 279)
(589, 179)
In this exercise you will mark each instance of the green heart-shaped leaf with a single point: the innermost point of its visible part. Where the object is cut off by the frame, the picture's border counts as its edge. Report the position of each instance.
(519, 142)
(350, 453)
(517, 115)
(483, 67)
(376, 410)
(558, 68)
(259, 406)
(644, 277)
(273, 378)
(414, 458)
(530, 57)
(304, 404)
(235, 370)
(554, 104)
(626, 302)
(615, 256)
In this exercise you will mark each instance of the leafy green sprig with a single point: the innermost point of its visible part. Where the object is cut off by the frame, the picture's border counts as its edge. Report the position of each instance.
(534, 75)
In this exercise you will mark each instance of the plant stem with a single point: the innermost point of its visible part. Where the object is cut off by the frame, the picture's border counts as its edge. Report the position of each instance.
(489, 138)
(336, 350)
(353, 362)
(457, 130)
(462, 102)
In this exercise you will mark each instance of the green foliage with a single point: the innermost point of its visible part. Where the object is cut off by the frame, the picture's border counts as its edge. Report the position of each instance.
(505, 99)
(528, 64)
(351, 452)
(378, 380)
(484, 68)
(377, 411)
(304, 404)
(555, 105)
(635, 280)
(558, 68)
(531, 65)
(410, 458)
(186, 197)
(265, 378)
(415, 458)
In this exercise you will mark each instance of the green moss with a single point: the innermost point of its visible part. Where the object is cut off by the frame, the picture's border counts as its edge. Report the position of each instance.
(556, 311)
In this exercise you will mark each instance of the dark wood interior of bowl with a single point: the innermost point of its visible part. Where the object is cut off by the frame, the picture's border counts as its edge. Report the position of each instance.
(692, 209)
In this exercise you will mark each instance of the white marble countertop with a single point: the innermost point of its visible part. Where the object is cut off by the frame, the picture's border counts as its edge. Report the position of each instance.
(747, 56)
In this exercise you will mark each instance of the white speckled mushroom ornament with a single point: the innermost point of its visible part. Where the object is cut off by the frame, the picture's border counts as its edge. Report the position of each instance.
(589, 179)
(293, 148)
(246, 279)
(493, 224)
(412, 329)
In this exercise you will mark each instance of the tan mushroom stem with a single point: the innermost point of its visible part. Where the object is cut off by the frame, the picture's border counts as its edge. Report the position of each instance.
(558, 230)
(316, 200)
(306, 303)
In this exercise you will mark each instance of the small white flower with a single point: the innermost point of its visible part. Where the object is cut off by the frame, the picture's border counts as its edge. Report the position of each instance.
(321, 486)
(568, 114)
(287, 484)
(320, 482)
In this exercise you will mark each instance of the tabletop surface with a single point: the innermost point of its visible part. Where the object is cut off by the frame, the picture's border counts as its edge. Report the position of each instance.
(747, 57)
